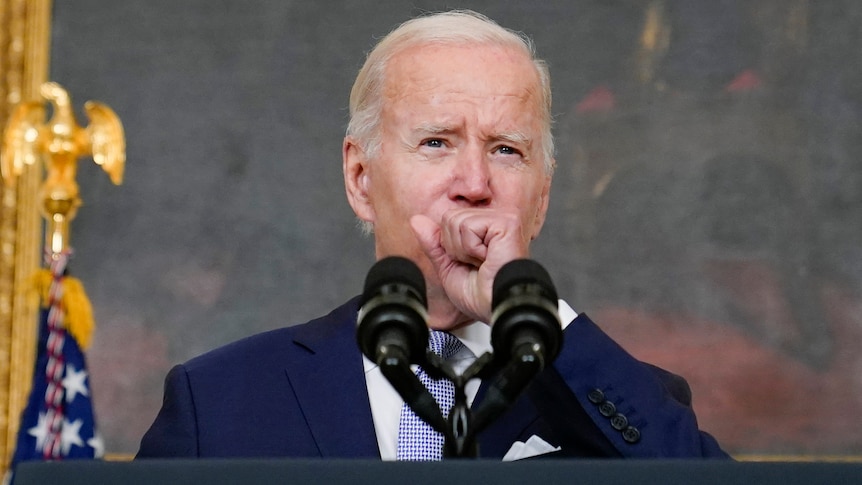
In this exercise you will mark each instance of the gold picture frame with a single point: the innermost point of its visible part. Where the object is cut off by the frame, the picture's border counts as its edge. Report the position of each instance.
(25, 35)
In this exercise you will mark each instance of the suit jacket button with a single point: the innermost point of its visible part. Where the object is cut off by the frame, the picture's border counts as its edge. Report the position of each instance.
(619, 422)
(631, 435)
(596, 396)
(607, 409)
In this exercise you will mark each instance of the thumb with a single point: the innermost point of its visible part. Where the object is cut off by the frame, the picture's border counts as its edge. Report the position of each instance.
(428, 234)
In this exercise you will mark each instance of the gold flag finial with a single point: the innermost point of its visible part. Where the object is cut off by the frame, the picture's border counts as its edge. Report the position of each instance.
(59, 143)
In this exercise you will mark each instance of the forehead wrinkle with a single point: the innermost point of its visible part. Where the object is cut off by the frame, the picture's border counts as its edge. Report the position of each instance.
(434, 128)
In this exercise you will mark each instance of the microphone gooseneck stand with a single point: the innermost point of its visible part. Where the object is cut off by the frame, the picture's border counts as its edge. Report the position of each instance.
(526, 336)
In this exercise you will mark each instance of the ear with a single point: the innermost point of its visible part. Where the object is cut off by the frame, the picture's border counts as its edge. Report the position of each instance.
(356, 179)
(542, 210)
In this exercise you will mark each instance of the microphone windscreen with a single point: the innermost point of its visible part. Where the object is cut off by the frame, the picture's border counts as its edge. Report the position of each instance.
(394, 270)
(519, 272)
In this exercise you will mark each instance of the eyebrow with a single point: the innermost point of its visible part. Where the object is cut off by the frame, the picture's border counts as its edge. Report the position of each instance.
(434, 129)
(517, 137)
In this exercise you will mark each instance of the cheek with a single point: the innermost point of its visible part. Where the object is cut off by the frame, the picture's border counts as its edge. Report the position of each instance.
(417, 187)
(395, 195)
(532, 205)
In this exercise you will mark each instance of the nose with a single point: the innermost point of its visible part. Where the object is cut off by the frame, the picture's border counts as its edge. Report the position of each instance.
(471, 180)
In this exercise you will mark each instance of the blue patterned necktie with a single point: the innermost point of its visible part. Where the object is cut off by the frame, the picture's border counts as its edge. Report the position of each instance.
(417, 440)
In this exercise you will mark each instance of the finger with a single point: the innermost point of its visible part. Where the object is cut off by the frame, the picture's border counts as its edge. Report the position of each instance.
(428, 233)
(487, 239)
(463, 236)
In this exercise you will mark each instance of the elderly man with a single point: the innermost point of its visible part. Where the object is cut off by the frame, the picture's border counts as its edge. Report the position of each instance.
(448, 160)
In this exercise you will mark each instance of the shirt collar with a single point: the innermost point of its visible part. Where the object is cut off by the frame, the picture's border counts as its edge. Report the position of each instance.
(476, 336)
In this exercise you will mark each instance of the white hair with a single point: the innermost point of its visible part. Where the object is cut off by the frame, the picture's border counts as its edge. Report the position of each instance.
(456, 27)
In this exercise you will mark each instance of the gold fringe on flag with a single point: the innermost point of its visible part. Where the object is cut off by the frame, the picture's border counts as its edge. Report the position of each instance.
(76, 305)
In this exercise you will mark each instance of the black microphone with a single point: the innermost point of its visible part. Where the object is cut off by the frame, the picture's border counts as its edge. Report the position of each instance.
(393, 312)
(392, 332)
(526, 334)
(524, 316)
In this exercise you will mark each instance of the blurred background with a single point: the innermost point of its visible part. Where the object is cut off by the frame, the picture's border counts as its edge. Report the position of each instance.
(706, 210)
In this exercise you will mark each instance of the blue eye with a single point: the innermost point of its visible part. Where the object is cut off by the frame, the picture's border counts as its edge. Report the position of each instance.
(433, 143)
(506, 150)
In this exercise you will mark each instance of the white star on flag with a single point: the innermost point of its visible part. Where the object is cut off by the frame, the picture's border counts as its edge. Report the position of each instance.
(40, 431)
(71, 435)
(98, 445)
(74, 383)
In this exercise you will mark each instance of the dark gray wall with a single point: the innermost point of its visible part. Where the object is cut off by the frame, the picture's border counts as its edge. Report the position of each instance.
(707, 209)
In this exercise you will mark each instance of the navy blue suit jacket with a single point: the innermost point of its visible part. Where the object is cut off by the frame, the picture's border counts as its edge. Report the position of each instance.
(300, 392)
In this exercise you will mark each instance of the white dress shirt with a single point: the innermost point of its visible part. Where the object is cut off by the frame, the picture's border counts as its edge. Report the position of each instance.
(386, 403)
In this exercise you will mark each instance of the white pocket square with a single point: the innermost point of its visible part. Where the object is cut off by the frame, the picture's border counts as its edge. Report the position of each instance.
(534, 446)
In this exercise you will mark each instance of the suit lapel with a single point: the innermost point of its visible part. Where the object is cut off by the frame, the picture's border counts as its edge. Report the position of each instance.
(326, 374)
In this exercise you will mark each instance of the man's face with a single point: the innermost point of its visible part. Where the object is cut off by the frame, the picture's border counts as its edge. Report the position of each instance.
(460, 127)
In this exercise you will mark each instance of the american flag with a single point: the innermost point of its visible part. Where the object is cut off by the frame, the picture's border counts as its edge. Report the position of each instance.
(58, 422)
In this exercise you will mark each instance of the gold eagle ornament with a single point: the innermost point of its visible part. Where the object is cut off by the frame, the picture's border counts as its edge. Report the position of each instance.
(59, 143)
